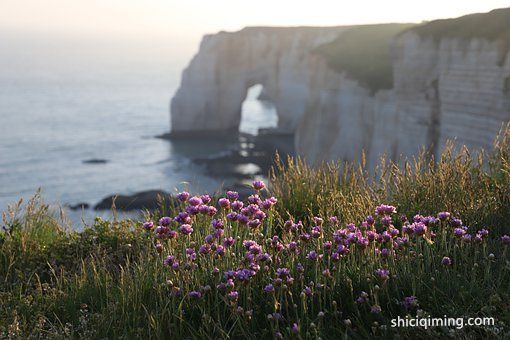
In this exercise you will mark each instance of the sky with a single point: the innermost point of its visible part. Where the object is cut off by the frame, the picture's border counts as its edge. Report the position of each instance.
(190, 19)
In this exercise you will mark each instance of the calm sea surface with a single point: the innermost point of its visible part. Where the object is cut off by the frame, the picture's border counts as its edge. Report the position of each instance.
(64, 102)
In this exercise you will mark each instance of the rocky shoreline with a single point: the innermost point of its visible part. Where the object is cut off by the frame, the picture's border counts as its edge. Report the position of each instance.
(244, 158)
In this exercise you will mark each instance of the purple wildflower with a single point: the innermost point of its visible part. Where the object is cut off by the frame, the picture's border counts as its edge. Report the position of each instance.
(282, 272)
(318, 221)
(483, 232)
(183, 196)
(443, 215)
(385, 252)
(419, 229)
(232, 216)
(269, 288)
(410, 302)
(254, 224)
(312, 255)
(258, 185)
(459, 232)
(254, 199)
(205, 199)
(224, 203)
(228, 241)
(192, 210)
(456, 222)
(386, 220)
(259, 215)
(195, 295)
(165, 221)
(203, 209)
(307, 291)
(186, 229)
(148, 225)
(375, 309)
(505, 239)
(237, 205)
(232, 195)
(242, 219)
(212, 211)
(170, 260)
(233, 295)
(195, 201)
(370, 220)
(244, 274)
(218, 233)
(316, 232)
(363, 298)
(446, 261)
(327, 245)
(466, 238)
(159, 248)
(268, 203)
(304, 237)
(383, 274)
(204, 249)
(384, 209)
(220, 250)
(217, 224)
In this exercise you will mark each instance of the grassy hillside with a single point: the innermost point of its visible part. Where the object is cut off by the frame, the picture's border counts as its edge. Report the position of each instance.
(364, 54)
(494, 25)
(291, 268)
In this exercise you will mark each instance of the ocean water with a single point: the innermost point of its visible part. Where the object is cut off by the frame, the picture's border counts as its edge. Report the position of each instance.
(64, 102)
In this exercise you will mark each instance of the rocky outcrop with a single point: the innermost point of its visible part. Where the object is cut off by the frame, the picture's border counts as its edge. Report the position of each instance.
(142, 200)
(443, 90)
(445, 85)
(216, 82)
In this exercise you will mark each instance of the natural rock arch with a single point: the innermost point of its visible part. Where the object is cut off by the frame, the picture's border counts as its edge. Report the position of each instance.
(258, 111)
(216, 82)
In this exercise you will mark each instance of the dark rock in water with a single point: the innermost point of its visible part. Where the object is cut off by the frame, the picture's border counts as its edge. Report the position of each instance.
(95, 161)
(228, 135)
(254, 156)
(79, 206)
(138, 201)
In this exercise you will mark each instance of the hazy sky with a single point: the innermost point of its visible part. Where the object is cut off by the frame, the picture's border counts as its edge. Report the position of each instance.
(192, 18)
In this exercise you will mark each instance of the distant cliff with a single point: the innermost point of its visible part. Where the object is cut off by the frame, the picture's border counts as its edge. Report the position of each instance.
(379, 88)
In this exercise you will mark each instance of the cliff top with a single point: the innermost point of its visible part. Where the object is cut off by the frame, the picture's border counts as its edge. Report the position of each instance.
(363, 53)
(494, 25)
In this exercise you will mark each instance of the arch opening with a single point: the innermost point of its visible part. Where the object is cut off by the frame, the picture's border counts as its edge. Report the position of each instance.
(257, 111)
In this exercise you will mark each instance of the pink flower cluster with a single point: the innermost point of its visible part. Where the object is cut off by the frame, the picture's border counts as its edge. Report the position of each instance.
(245, 234)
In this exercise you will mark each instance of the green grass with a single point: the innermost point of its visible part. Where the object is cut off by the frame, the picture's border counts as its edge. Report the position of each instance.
(492, 26)
(108, 281)
(364, 54)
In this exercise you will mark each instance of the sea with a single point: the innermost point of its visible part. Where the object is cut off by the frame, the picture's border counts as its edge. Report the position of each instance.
(79, 119)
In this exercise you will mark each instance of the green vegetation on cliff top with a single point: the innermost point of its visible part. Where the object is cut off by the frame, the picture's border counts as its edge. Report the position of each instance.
(364, 54)
(494, 25)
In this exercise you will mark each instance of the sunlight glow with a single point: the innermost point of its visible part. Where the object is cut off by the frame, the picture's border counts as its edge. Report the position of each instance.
(193, 18)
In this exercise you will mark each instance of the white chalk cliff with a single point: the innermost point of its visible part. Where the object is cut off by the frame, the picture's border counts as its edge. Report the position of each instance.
(443, 88)
(214, 85)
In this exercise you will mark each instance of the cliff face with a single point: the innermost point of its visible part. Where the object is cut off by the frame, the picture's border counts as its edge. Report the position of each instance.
(443, 87)
(215, 84)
